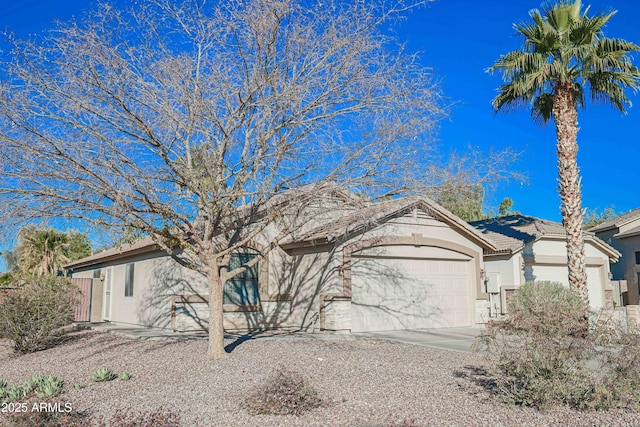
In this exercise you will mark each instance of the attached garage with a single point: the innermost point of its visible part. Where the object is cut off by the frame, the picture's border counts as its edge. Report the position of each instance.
(533, 249)
(400, 264)
(405, 287)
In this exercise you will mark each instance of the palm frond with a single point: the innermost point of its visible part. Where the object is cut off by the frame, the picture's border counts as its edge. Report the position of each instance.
(541, 109)
(608, 87)
(562, 45)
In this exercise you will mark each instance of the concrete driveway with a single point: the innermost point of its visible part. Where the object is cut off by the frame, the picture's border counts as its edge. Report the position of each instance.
(458, 339)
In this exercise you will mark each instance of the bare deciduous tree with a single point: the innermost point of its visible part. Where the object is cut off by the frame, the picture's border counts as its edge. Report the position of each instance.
(188, 122)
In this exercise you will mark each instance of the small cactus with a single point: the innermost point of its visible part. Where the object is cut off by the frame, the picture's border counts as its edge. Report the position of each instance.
(125, 376)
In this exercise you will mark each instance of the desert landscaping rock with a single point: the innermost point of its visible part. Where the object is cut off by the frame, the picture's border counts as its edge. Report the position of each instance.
(365, 382)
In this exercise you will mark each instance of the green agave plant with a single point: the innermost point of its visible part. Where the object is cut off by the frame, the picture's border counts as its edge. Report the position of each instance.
(103, 374)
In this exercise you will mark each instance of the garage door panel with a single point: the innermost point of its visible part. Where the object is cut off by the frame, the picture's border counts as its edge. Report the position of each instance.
(392, 293)
(560, 273)
(595, 287)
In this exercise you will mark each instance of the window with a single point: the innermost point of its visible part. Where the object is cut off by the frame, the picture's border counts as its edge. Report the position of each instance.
(128, 281)
(243, 288)
(637, 257)
(96, 273)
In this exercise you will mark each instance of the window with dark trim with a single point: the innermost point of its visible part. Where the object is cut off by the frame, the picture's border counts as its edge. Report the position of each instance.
(243, 288)
(128, 280)
(96, 273)
(637, 257)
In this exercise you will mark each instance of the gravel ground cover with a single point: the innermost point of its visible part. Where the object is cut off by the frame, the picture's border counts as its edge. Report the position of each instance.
(368, 383)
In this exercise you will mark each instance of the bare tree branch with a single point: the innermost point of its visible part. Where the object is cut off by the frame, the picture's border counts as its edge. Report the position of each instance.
(185, 121)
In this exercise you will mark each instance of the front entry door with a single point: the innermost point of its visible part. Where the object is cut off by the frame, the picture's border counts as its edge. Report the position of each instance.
(106, 316)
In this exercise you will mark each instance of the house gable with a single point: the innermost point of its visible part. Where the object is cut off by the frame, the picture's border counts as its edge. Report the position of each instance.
(387, 214)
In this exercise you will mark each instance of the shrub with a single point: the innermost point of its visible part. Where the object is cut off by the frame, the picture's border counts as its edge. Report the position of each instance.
(547, 352)
(539, 350)
(284, 393)
(34, 315)
(125, 376)
(103, 374)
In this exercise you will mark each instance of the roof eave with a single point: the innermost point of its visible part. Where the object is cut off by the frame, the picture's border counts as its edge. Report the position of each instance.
(308, 243)
(610, 251)
(600, 230)
(501, 252)
(96, 262)
(627, 234)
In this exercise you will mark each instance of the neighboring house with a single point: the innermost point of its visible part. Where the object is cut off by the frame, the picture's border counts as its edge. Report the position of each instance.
(532, 249)
(399, 264)
(623, 233)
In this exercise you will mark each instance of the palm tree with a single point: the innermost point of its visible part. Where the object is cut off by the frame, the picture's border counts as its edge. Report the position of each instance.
(41, 251)
(564, 54)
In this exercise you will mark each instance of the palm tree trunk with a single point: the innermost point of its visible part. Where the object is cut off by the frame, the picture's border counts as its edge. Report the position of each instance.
(565, 115)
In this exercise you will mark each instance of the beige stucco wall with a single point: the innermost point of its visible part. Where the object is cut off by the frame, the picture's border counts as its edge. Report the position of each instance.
(557, 247)
(157, 278)
(87, 274)
(292, 282)
(508, 268)
(421, 223)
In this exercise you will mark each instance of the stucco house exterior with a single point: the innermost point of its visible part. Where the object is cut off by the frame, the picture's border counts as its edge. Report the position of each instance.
(623, 233)
(533, 249)
(400, 264)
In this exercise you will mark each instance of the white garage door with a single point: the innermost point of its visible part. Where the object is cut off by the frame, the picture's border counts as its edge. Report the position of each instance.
(397, 293)
(559, 273)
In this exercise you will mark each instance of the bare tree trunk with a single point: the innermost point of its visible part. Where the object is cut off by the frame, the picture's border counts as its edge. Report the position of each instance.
(216, 318)
(566, 119)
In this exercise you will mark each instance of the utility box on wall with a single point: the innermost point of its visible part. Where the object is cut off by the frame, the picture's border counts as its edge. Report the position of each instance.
(493, 283)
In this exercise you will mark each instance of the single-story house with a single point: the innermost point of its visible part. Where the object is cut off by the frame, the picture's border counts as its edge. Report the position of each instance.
(400, 264)
(623, 233)
(533, 249)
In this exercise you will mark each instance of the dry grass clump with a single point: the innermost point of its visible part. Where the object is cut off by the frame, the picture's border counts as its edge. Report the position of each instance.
(284, 393)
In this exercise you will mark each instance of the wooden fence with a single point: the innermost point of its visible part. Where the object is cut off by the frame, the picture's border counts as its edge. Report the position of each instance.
(82, 311)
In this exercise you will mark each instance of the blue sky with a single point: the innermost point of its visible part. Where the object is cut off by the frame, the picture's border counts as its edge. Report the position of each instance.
(459, 39)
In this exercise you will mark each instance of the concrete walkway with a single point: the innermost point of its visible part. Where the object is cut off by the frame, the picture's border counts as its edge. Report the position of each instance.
(141, 333)
(457, 339)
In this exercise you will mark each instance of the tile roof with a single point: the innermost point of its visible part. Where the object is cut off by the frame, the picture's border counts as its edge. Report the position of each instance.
(617, 221)
(147, 244)
(353, 222)
(511, 233)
